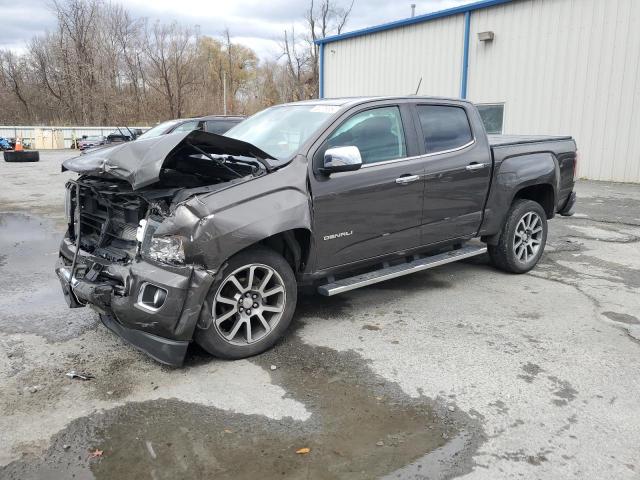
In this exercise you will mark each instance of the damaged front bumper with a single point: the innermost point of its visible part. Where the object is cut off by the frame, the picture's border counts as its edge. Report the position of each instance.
(154, 307)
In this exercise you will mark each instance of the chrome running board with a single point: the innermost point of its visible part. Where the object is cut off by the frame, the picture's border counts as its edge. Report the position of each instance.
(387, 273)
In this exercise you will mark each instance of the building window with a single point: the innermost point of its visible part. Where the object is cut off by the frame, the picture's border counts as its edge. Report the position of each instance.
(492, 117)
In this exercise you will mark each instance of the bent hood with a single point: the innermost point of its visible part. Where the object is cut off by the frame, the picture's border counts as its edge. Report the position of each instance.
(139, 162)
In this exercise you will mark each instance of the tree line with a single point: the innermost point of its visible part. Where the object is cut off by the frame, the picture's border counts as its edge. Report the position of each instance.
(101, 66)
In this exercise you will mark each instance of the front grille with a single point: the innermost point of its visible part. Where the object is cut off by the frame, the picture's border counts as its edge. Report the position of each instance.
(109, 216)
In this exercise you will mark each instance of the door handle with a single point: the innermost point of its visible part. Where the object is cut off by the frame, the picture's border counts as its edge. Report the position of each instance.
(475, 166)
(405, 179)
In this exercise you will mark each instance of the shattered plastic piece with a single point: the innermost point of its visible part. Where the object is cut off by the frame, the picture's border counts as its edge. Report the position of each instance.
(303, 451)
(81, 376)
(273, 367)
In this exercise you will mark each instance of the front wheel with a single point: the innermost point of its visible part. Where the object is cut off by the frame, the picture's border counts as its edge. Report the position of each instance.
(250, 306)
(522, 239)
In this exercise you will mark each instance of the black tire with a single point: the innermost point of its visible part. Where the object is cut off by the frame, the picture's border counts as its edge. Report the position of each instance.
(215, 339)
(21, 156)
(508, 254)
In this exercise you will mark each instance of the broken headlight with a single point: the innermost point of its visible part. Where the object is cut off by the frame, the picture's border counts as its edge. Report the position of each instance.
(166, 249)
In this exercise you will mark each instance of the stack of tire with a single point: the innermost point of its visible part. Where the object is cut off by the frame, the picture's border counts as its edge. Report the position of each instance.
(18, 154)
(21, 156)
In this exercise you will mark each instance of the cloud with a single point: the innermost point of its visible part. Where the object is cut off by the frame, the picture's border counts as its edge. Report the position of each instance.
(257, 24)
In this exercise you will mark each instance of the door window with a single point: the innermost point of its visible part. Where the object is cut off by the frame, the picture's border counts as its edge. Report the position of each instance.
(444, 127)
(377, 133)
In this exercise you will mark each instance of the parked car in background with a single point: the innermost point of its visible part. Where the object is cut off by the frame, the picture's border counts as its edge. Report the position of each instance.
(90, 141)
(120, 135)
(5, 144)
(206, 237)
(124, 134)
(218, 124)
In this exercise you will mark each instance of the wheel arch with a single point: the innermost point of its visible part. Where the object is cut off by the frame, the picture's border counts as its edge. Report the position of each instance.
(542, 193)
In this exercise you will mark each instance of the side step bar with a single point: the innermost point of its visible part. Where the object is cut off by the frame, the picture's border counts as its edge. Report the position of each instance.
(387, 273)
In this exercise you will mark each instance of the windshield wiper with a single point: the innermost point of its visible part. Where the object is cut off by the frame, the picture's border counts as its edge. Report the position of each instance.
(215, 160)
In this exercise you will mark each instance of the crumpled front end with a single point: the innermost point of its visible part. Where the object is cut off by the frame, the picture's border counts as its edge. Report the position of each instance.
(153, 305)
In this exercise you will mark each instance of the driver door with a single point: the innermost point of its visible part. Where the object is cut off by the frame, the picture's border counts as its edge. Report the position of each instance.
(377, 209)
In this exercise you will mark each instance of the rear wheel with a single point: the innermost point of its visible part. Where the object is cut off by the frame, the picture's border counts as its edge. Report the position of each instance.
(523, 238)
(250, 307)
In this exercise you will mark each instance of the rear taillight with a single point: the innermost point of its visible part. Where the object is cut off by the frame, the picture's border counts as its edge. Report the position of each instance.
(575, 166)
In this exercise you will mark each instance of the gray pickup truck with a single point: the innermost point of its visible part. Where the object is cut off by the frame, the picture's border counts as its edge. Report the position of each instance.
(196, 236)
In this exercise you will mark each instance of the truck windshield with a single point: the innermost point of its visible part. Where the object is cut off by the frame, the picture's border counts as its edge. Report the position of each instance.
(280, 131)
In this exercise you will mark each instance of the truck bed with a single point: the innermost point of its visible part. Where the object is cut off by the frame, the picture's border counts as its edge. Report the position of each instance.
(504, 140)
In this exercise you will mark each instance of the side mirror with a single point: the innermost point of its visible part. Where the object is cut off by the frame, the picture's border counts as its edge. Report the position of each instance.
(341, 159)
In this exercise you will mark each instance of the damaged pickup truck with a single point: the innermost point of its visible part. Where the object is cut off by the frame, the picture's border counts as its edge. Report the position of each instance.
(197, 236)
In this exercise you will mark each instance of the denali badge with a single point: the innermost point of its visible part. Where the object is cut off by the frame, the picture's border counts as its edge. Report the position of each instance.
(338, 235)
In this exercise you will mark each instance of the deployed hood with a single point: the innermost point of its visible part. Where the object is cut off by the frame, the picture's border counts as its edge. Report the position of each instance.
(140, 162)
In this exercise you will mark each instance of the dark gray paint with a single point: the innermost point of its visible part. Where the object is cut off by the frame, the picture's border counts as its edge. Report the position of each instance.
(387, 220)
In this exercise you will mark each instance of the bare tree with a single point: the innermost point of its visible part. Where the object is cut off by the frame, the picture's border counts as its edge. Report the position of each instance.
(302, 53)
(99, 65)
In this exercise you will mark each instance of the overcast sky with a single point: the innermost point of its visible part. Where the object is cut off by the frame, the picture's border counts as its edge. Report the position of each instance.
(255, 23)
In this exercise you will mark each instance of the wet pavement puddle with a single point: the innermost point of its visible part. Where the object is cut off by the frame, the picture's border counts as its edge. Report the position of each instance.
(31, 293)
(360, 427)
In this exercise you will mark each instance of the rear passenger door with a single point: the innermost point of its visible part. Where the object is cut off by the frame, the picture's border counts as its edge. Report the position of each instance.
(457, 171)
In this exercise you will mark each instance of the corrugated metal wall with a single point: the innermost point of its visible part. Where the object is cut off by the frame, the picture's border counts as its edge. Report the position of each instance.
(388, 61)
(560, 67)
(566, 67)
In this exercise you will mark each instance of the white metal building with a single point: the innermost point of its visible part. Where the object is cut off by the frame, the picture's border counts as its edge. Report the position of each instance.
(535, 66)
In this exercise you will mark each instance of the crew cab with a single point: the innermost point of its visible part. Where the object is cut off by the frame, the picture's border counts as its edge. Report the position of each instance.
(197, 236)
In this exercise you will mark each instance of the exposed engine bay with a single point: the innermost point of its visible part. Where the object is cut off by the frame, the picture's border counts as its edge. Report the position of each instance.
(111, 213)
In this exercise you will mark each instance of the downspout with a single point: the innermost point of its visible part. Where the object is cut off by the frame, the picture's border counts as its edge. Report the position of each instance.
(465, 55)
(321, 72)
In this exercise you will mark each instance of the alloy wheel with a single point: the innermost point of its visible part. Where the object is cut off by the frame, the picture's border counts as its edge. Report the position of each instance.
(249, 304)
(528, 237)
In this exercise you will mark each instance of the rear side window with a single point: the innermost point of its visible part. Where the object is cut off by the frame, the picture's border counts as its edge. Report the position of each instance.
(444, 127)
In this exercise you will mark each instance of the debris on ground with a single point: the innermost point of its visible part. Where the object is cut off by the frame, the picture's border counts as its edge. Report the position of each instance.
(150, 449)
(80, 376)
(303, 451)
(273, 367)
(96, 453)
(380, 443)
(34, 388)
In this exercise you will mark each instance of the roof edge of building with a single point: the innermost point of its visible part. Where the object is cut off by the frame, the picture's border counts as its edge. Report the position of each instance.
(413, 20)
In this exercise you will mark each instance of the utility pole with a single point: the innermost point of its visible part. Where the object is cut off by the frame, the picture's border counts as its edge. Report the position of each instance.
(224, 91)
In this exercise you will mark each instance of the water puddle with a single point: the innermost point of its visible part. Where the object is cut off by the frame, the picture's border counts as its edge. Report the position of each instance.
(31, 294)
(361, 426)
